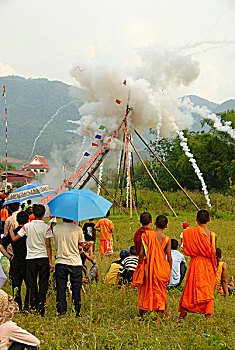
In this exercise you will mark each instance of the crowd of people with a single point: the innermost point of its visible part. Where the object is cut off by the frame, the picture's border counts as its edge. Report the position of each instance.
(153, 264)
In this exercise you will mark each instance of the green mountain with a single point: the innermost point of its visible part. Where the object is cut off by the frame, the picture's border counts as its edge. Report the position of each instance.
(30, 105)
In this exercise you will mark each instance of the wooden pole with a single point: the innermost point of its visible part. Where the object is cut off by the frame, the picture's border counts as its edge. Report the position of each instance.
(104, 188)
(123, 179)
(120, 170)
(163, 196)
(167, 169)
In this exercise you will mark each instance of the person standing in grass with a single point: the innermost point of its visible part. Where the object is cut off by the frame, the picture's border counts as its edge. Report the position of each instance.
(200, 244)
(17, 262)
(38, 258)
(105, 226)
(90, 235)
(153, 270)
(69, 240)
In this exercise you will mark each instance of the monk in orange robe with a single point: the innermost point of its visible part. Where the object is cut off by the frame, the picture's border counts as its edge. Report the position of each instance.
(200, 244)
(153, 270)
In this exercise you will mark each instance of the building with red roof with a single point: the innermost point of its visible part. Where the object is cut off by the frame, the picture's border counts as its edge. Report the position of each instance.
(18, 176)
(38, 165)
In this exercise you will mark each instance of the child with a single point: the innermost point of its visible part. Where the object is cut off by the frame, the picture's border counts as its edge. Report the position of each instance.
(12, 336)
(221, 284)
(17, 262)
(90, 235)
(178, 265)
(161, 224)
(105, 226)
(112, 273)
(127, 268)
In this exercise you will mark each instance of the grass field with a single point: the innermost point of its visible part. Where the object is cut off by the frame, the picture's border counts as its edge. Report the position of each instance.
(110, 317)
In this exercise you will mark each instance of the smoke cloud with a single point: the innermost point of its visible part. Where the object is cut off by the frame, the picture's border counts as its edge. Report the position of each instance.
(152, 87)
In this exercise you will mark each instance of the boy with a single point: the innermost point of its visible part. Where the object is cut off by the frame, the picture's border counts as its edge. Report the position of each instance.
(153, 270)
(38, 259)
(90, 235)
(105, 226)
(200, 244)
(127, 268)
(111, 276)
(17, 262)
(221, 284)
(165, 242)
(178, 265)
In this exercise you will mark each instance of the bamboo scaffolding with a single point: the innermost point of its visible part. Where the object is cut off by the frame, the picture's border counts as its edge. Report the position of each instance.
(155, 183)
(107, 191)
(187, 195)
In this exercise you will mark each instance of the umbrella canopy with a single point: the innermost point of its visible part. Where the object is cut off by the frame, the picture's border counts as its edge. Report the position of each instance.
(28, 192)
(79, 205)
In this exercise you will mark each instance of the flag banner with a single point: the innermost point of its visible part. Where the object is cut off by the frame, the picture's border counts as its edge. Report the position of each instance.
(118, 101)
(94, 144)
(91, 160)
(102, 127)
(86, 154)
(98, 137)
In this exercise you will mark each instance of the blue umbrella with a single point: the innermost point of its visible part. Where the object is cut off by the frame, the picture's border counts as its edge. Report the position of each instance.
(79, 205)
(28, 192)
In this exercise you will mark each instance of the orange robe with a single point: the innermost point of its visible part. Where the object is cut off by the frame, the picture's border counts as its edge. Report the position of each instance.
(198, 291)
(152, 275)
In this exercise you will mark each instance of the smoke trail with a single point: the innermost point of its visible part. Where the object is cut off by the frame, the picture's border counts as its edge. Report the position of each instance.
(206, 113)
(199, 43)
(100, 176)
(187, 151)
(46, 125)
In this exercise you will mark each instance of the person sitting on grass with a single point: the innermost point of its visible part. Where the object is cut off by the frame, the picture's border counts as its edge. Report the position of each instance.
(221, 284)
(13, 337)
(127, 268)
(17, 262)
(89, 232)
(179, 268)
(112, 273)
(105, 226)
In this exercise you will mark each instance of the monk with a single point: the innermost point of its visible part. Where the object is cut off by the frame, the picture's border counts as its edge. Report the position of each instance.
(165, 241)
(200, 244)
(153, 271)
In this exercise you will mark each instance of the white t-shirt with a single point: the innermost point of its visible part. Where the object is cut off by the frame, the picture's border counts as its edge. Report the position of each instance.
(67, 236)
(10, 332)
(36, 232)
(177, 258)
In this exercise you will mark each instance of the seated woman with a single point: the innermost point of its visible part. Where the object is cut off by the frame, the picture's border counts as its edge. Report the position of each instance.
(13, 337)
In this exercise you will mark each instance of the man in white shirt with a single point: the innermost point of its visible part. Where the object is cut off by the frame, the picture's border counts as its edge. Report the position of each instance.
(68, 238)
(178, 265)
(38, 258)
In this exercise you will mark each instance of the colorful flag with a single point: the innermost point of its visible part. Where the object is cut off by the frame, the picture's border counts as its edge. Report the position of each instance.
(98, 137)
(94, 144)
(86, 154)
(124, 83)
(102, 127)
(118, 101)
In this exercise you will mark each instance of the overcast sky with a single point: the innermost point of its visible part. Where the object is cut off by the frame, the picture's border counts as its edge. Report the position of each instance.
(44, 38)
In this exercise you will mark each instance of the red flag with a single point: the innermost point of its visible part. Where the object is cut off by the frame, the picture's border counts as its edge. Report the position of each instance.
(94, 144)
(124, 83)
(118, 101)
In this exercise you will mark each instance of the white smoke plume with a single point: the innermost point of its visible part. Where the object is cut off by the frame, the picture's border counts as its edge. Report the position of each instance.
(187, 151)
(47, 123)
(160, 70)
(206, 113)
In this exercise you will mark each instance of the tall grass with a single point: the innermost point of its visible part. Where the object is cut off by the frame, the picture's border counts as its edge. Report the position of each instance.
(110, 317)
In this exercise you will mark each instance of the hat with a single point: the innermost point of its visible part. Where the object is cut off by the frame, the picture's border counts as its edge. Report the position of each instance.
(124, 253)
(185, 224)
(3, 300)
